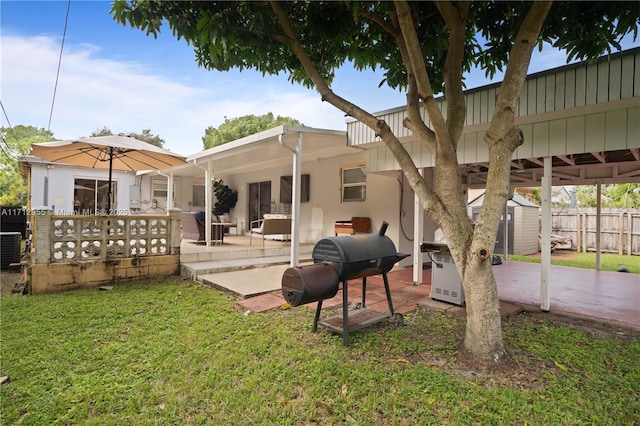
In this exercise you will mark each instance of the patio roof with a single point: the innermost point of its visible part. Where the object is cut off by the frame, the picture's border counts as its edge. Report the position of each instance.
(263, 150)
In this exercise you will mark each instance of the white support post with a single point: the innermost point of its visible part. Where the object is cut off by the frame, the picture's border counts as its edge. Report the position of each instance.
(505, 230)
(418, 230)
(295, 209)
(170, 191)
(545, 264)
(208, 202)
(598, 214)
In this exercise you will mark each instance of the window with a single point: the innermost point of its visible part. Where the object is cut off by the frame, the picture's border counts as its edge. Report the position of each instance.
(90, 196)
(286, 189)
(198, 196)
(160, 189)
(354, 183)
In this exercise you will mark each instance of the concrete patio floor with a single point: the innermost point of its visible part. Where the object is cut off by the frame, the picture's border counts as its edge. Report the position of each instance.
(600, 295)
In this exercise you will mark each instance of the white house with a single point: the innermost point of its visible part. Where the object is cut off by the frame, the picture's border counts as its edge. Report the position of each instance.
(70, 189)
(334, 181)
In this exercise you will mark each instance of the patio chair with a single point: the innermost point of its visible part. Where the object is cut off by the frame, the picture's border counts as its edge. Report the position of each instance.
(191, 228)
(266, 227)
(192, 224)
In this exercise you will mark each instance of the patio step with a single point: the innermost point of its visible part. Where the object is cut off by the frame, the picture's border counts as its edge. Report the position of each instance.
(196, 270)
(190, 253)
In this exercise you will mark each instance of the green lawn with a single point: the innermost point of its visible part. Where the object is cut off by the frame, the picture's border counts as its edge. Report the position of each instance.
(608, 261)
(172, 352)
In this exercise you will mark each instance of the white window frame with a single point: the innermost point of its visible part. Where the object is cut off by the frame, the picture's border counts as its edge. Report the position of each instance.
(158, 188)
(348, 186)
(193, 200)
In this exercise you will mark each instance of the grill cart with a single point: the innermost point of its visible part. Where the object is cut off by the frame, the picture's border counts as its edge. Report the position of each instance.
(337, 260)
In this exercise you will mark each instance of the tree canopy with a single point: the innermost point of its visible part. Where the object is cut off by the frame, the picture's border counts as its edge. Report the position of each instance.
(144, 136)
(422, 48)
(241, 35)
(625, 195)
(105, 131)
(148, 137)
(239, 127)
(16, 142)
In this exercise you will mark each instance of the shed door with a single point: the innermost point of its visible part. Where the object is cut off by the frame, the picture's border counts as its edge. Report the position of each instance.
(499, 247)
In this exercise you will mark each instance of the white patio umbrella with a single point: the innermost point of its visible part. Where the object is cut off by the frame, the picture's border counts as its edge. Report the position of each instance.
(114, 152)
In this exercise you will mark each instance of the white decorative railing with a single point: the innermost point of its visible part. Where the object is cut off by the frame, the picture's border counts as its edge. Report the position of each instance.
(75, 238)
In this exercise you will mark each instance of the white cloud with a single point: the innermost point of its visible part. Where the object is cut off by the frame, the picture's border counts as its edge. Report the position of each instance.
(129, 96)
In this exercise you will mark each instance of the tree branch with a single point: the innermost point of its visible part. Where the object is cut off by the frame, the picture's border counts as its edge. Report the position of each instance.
(455, 17)
(290, 39)
(419, 67)
(411, 41)
(414, 121)
(503, 120)
(503, 136)
(380, 128)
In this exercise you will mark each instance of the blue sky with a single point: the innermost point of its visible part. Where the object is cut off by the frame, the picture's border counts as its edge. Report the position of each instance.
(118, 77)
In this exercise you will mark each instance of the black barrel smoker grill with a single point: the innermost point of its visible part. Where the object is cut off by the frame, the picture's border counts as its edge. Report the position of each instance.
(339, 259)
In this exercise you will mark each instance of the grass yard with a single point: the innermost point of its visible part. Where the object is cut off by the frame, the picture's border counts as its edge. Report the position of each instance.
(608, 261)
(173, 352)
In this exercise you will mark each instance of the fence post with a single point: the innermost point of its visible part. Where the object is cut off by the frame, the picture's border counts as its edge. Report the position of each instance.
(585, 230)
(621, 234)
(41, 236)
(630, 234)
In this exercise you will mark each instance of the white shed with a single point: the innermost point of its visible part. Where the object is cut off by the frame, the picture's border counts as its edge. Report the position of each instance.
(523, 224)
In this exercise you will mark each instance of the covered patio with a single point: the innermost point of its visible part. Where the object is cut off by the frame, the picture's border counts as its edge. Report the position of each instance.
(598, 295)
(255, 276)
(280, 152)
(575, 135)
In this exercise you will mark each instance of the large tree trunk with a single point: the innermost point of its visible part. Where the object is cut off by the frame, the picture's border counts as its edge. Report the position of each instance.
(482, 344)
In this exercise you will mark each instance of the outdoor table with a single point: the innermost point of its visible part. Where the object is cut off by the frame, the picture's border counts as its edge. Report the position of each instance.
(217, 232)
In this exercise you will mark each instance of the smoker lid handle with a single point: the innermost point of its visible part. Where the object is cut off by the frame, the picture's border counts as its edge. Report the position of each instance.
(383, 228)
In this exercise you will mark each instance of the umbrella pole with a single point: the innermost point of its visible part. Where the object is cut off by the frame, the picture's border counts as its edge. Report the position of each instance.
(110, 177)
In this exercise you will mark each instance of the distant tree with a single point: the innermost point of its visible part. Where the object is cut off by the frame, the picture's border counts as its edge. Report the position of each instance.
(586, 195)
(17, 142)
(105, 131)
(240, 127)
(148, 137)
(626, 195)
(145, 136)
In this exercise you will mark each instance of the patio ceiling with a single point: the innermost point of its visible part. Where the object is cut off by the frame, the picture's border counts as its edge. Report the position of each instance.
(621, 166)
(263, 151)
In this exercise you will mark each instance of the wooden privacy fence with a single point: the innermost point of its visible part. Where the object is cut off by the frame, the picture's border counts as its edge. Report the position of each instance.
(619, 229)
